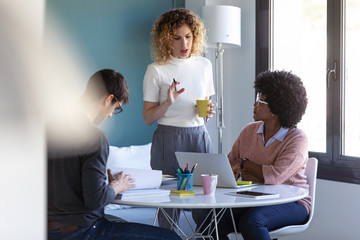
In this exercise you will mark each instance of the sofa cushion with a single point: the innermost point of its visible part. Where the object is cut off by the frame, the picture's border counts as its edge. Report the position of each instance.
(135, 156)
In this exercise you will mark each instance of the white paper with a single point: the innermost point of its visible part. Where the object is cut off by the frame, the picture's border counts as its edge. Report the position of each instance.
(146, 194)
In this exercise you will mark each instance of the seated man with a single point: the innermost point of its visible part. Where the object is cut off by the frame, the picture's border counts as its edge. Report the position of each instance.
(77, 156)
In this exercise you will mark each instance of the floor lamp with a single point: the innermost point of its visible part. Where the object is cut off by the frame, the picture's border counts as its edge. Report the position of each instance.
(223, 29)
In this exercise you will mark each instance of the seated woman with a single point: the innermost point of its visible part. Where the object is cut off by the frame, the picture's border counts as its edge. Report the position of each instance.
(271, 150)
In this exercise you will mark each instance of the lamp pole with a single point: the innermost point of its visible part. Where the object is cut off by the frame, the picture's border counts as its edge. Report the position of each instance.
(220, 94)
(223, 26)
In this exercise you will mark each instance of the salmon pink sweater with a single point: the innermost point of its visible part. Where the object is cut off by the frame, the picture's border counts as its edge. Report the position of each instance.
(283, 162)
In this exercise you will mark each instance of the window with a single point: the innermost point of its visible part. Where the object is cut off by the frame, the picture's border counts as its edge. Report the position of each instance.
(350, 126)
(318, 40)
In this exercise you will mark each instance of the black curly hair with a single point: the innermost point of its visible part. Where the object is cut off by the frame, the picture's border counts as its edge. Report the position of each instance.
(285, 95)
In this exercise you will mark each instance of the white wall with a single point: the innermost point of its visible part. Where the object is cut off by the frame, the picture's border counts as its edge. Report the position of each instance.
(239, 74)
(337, 208)
(336, 213)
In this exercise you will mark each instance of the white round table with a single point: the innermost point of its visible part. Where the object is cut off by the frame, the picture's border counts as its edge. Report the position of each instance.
(219, 200)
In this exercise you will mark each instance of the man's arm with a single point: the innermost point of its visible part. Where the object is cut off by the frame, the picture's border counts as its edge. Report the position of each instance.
(95, 191)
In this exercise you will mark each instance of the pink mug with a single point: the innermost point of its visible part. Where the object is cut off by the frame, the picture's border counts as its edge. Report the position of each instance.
(209, 182)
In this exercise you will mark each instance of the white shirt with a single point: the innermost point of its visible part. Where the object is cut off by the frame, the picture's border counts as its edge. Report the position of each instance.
(194, 74)
(279, 135)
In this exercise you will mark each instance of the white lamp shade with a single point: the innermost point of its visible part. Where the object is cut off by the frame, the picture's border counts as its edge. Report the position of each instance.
(223, 25)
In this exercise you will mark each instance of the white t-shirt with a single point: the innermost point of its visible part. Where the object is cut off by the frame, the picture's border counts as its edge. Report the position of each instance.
(194, 74)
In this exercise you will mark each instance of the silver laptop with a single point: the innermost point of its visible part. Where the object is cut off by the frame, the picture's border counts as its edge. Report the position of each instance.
(208, 163)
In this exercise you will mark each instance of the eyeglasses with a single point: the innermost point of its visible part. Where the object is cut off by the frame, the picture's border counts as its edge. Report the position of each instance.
(118, 109)
(258, 101)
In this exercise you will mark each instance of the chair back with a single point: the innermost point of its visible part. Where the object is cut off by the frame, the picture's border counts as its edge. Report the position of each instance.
(311, 174)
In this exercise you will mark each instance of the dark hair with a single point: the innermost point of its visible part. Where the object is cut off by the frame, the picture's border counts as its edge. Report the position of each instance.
(108, 81)
(285, 95)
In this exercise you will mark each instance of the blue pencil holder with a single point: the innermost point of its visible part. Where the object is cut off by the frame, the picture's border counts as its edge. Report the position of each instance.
(185, 181)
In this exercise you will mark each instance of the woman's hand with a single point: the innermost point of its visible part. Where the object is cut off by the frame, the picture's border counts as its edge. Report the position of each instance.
(250, 167)
(235, 166)
(120, 182)
(210, 112)
(153, 111)
(173, 94)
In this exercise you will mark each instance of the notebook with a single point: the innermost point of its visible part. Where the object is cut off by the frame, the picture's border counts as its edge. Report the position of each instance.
(209, 163)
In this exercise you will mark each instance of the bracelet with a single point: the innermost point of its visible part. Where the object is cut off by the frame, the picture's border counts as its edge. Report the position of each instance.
(242, 163)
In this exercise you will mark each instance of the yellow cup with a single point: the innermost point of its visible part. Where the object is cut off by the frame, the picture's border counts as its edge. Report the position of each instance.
(203, 107)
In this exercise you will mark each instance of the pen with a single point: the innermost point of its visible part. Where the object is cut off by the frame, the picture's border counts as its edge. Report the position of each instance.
(193, 168)
(175, 83)
(187, 169)
(184, 182)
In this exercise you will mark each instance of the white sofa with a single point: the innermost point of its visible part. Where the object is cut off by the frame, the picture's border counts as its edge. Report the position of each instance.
(136, 156)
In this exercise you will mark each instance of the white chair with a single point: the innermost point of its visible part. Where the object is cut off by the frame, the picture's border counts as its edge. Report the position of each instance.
(311, 174)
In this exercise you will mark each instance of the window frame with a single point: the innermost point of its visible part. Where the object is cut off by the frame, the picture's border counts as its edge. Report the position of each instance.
(332, 165)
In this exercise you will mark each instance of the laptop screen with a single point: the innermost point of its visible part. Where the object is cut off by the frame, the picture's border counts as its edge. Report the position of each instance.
(208, 163)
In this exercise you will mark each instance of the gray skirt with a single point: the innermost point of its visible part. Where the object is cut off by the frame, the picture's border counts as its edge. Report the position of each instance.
(168, 139)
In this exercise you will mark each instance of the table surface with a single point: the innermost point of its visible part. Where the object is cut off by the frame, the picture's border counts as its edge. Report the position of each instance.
(220, 199)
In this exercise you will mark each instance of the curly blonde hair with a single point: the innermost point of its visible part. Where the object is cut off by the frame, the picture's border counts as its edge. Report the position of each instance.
(164, 30)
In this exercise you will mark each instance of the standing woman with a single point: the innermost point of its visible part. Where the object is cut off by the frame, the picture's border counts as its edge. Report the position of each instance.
(172, 84)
